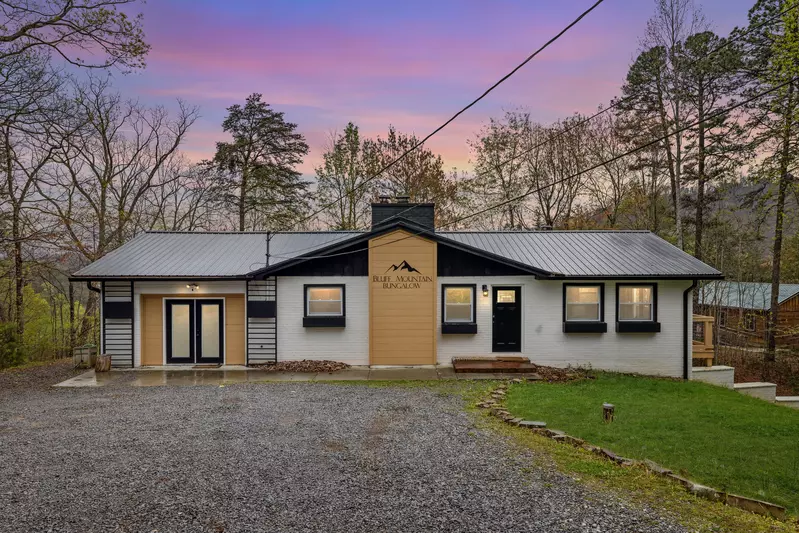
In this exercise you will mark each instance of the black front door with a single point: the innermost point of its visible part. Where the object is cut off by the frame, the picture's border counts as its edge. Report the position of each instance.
(210, 325)
(194, 331)
(507, 319)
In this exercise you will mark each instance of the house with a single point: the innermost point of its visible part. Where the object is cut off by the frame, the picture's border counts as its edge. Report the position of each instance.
(401, 293)
(742, 309)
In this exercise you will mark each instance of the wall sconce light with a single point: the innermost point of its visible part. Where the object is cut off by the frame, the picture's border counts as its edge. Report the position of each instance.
(485, 290)
(192, 286)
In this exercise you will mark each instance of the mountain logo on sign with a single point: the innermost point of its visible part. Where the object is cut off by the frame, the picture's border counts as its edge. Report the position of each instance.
(402, 266)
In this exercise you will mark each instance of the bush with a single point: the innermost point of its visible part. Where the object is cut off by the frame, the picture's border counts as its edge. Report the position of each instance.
(11, 352)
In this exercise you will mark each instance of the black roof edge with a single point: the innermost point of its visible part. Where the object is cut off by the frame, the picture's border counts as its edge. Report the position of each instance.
(391, 225)
(686, 277)
(80, 279)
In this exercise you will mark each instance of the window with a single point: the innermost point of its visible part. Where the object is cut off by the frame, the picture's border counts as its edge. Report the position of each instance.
(324, 306)
(458, 313)
(325, 301)
(584, 308)
(750, 322)
(506, 297)
(636, 308)
(636, 302)
(582, 303)
(459, 304)
(723, 318)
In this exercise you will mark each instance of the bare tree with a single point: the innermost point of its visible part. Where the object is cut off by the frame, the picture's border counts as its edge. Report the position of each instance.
(673, 22)
(185, 202)
(344, 189)
(110, 157)
(556, 156)
(609, 185)
(27, 112)
(500, 170)
(85, 33)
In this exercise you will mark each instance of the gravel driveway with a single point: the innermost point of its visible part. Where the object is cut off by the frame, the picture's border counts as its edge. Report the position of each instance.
(276, 457)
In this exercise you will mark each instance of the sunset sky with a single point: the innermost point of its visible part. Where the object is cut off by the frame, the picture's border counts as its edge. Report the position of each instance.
(412, 64)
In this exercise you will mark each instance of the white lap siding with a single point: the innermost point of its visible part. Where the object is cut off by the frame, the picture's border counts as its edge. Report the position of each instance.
(544, 341)
(349, 344)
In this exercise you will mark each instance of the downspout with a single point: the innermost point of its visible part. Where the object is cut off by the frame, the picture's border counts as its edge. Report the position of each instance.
(100, 292)
(686, 363)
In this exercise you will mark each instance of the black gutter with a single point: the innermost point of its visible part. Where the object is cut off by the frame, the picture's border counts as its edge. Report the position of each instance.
(91, 287)
(687, 360)
(89, 279)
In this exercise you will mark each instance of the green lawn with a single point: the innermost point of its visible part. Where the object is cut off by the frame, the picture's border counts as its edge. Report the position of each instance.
(712, 435)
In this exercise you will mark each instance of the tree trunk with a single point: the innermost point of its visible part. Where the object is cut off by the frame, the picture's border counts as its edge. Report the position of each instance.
(243, 199)
(675, 196)
(19, 279)
(71, 298)
(678, 181)
(782, 189)
(700, 185)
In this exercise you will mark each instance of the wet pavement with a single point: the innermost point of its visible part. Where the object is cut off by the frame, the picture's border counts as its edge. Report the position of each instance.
(221, 376)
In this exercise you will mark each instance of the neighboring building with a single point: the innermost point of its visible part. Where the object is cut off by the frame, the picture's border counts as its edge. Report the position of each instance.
(742, 308)
(399, 294)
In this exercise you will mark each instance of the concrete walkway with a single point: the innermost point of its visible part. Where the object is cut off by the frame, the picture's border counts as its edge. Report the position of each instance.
(222, 376)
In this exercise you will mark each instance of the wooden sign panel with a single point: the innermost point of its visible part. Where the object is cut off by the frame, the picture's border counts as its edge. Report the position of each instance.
(402, 300)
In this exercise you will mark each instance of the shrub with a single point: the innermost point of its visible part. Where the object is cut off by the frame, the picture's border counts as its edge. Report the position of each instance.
(11, 352)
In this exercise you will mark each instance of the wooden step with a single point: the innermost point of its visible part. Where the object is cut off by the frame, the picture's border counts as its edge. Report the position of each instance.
(493, 364)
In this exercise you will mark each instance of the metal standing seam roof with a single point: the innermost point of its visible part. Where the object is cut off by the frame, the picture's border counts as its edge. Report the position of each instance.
(237, 254)
(605, 253)
(744, 294)
(204, 254)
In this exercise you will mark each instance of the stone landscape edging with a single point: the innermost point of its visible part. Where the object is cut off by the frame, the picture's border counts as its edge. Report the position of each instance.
(495, 404)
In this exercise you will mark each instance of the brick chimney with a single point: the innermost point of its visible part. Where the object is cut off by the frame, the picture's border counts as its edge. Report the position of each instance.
(388, 208)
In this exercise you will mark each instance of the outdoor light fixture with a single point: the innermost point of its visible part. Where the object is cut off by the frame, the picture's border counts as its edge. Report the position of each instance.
(192, 286)
(485, 290)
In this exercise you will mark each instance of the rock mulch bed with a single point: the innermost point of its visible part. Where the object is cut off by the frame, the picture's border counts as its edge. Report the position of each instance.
(552, 375)
(306, 366)
(495, 403)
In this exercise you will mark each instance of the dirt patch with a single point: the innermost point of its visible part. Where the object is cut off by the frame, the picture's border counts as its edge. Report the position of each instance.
(306, 366)
(37, 376)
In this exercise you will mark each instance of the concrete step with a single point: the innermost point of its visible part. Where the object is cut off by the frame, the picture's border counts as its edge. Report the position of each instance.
(724, 376)
(758, 389)
(788, 401)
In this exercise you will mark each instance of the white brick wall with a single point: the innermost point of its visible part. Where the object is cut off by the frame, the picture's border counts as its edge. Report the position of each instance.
(295, 342)
(544, 342)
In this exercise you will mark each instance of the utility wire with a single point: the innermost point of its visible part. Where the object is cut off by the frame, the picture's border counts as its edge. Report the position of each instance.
(455, 116)
(613, 105)
(616, 103)
(570, 177)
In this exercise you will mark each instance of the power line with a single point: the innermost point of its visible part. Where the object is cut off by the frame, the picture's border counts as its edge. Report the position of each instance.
(456, 115)
(619, 102)
(570, 177)
(629, 152)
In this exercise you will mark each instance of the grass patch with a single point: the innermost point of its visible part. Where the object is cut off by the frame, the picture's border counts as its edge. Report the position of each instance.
(640, 487)
(715, 436)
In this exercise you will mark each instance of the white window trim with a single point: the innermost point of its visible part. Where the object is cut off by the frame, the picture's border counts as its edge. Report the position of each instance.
(308, 300)
(472, 317)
